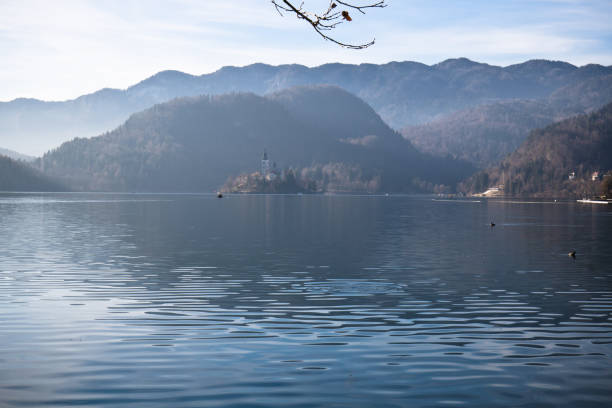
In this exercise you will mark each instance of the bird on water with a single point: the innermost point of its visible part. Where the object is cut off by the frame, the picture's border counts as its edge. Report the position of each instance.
(492, 224)
(572, 254)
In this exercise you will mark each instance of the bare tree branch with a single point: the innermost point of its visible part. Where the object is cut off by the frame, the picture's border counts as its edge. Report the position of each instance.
(329, 18)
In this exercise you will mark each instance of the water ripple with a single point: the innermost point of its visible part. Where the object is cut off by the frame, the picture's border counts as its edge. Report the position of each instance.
(269, 301)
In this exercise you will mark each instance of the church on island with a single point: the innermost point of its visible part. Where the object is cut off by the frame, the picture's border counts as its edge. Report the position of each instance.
(268, 169)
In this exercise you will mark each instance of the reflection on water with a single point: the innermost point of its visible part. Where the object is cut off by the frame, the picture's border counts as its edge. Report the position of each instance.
(187, 300)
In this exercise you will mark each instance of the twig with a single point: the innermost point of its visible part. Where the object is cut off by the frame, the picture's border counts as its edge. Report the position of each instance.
(329, 19)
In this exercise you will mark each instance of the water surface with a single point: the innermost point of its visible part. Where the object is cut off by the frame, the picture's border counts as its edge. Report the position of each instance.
(302, 301)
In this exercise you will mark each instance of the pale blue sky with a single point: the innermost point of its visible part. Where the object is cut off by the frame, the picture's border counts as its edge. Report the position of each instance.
(56, 50)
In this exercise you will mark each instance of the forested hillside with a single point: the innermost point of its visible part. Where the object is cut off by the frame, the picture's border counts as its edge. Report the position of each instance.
(485, 134)
(18, 176)
(541, 166)
(195, 144)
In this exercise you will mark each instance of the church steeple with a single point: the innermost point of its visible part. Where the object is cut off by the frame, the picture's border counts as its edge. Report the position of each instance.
(265, 164)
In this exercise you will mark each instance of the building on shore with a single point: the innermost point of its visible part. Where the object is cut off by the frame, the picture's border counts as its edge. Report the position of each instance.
(491, 192)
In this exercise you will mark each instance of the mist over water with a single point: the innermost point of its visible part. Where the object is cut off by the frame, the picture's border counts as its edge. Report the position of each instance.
(309, 301)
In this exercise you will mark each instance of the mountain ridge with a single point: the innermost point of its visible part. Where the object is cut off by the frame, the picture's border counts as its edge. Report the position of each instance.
(329, 64)
(402, 93)
(485, 134)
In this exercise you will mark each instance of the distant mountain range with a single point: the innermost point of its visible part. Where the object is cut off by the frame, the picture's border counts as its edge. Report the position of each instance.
(485, 134)
(578, 146)
(195, 143)
(402, 93)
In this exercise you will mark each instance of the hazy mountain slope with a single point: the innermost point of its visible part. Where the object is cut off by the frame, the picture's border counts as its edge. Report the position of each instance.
(540, 167)
(587, 95)
(485, 134)
(194, 144)
(18, 176)
(15, 155)
(403, 93)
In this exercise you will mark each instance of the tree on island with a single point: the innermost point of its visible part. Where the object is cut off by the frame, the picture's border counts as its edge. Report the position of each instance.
(606, 185)
(327, 20)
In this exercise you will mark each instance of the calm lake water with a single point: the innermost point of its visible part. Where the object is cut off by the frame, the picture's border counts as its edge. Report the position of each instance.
(303, 301)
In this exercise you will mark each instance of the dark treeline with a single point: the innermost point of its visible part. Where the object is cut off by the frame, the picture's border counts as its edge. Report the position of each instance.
(17, 175)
